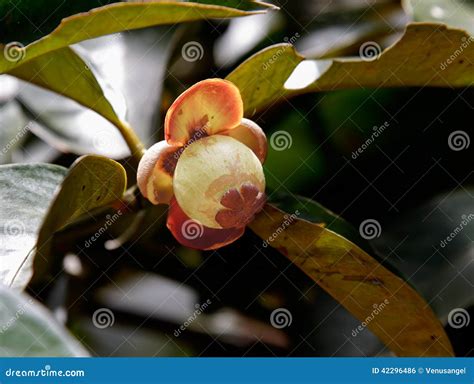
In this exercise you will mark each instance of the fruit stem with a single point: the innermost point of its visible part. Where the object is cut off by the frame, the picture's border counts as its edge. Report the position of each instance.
(133, 141)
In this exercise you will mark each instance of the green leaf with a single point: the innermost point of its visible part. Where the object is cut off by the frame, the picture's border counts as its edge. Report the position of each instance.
(67, 74)
(69, 127)
(310, 210)
(125, 16)
(26, 191)
(426, 55)
(135, 64)
(403, 320)
(261, 77)
(92, 182)
(28, 329)
(456, 13)
(29, 20)
(51, 64)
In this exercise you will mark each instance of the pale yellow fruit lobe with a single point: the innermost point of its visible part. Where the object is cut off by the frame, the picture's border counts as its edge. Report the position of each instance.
(207, 169)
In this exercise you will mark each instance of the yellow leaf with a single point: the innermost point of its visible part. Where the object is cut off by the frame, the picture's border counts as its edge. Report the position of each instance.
(382, 301)
(427, 55)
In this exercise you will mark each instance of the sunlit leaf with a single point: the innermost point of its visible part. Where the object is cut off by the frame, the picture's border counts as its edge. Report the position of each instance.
(134, 63)
(69, 127)
(310, 210)
(29, 330)
(426, 55)
(92, 182)
(51, 64)
(382, 301)
(13, 129)
(66, 73)
(261, 77)
(26, 192)
(126, 16)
